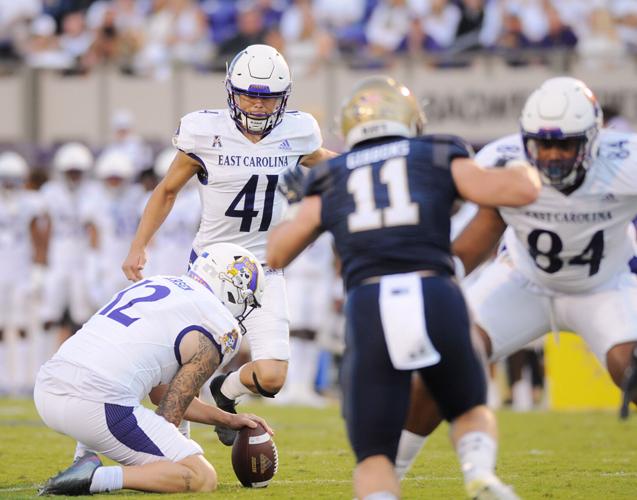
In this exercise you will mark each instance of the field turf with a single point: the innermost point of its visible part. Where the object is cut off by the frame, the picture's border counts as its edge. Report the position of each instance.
(543, 454)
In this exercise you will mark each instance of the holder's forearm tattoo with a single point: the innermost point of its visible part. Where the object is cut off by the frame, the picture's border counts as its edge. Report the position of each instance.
(186, 383)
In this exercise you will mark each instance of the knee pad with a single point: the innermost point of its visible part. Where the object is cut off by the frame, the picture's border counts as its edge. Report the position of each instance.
(265, 393)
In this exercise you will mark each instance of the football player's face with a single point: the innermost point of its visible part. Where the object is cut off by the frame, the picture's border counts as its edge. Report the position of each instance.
(558, 149)
(259, 105)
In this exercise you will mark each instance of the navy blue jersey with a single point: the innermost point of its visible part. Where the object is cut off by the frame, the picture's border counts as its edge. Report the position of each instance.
(388, 204)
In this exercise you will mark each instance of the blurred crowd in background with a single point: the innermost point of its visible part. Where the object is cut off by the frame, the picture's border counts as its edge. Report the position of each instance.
(148, 37)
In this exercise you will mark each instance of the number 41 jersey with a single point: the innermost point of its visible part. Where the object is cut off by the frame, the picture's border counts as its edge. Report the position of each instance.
(238, 180)
(577, 243)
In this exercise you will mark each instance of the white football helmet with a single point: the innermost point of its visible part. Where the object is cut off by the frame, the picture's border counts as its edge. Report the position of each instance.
(258, 71)
(233, 274)
(114, 164)
(73, 156)
(563, 113)
(13, 167)
(163, 161)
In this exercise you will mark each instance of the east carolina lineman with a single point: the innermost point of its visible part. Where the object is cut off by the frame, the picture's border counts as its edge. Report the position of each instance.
(565, 263)
(162, 337)
(238, 154)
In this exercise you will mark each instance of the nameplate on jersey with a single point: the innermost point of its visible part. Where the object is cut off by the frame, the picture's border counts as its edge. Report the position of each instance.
(253, 161)
(402, 314)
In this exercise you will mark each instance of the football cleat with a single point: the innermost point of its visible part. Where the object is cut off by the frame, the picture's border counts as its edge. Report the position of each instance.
(629, 387)
(226, 434)
(490, 488)
(75, 480)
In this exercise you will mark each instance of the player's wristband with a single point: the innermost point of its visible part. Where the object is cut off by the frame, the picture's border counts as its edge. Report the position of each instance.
(458, 267)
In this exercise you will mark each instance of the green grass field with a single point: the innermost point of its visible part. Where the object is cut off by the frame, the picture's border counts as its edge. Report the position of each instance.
(544, 455)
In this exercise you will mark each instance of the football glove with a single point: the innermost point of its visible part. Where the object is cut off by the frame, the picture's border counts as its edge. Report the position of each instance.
(292, 184)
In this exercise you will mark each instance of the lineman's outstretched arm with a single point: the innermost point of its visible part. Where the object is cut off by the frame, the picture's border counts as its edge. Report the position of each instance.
(157, 209)
(479, 239)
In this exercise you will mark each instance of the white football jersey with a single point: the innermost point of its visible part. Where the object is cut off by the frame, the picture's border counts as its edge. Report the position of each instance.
(18, 208)
(66, 208)
(115, 215)
(580, 242)
(132, 344)
(169, 250)
(238, 181)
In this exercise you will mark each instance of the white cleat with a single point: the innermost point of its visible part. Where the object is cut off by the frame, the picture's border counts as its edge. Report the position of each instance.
(490, 488)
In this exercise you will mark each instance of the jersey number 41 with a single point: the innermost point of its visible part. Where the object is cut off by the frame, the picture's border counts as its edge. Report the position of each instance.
(248, 195)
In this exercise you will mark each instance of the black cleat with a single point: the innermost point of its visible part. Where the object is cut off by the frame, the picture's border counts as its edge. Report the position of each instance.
(76, 480)
(629, 387)
(226, 434)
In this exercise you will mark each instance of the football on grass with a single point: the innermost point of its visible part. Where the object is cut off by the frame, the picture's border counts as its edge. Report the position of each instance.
(254, 457)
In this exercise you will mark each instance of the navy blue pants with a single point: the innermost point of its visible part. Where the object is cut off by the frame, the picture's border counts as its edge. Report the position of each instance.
(376, 395)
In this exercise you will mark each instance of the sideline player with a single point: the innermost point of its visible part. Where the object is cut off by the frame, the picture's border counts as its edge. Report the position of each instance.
(238, 155)
(111, 219)
(23, 237)
(565, 265)
(162, 337)
(65, 299)
(387, 203)
(171, 245)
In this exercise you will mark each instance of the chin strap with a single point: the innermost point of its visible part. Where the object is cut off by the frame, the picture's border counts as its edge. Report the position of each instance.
(261, 390)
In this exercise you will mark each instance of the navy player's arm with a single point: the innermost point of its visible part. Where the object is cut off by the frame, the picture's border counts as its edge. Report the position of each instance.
(513, 186)
(157, 209)
(318, 156)
(479, 239)
(291, 237)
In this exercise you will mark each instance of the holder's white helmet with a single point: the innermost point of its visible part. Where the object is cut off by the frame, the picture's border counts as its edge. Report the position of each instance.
(565, 114)
(233, 274)
(114, 164)
(258, 71)
(13, 167)
(73, 156)
(163, 161)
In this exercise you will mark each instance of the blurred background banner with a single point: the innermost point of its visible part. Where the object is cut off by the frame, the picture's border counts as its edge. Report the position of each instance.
(477, 103)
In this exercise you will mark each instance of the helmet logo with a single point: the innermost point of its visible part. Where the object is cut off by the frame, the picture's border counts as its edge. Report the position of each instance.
(243, 274)
(228, 342)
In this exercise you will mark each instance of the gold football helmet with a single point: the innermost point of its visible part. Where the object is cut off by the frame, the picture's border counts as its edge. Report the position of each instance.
(380, 106)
